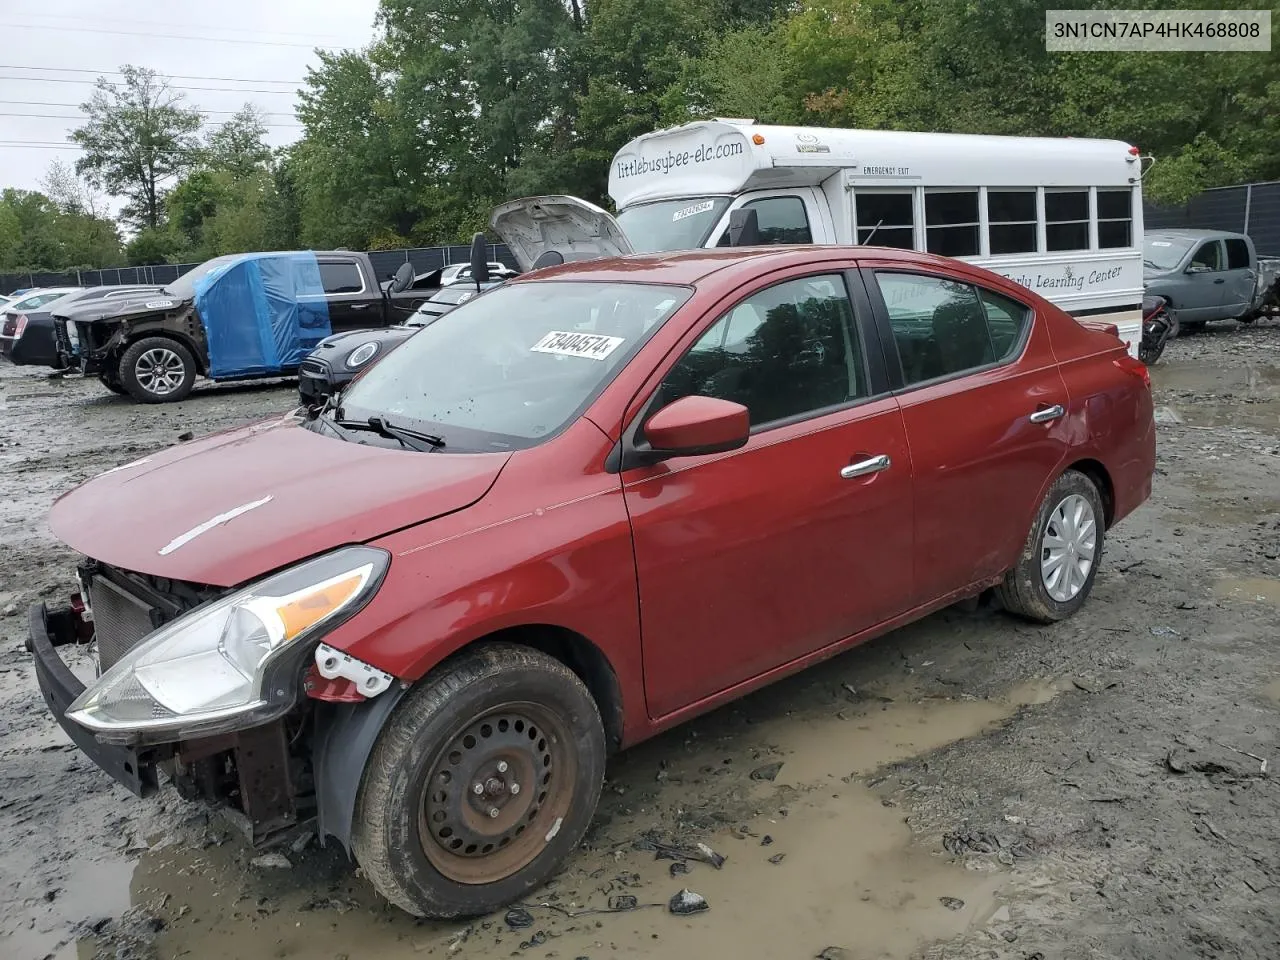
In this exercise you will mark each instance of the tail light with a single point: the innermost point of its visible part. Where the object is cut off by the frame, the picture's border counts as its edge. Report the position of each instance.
(14, 324)
(1134, 366)
(19, 325)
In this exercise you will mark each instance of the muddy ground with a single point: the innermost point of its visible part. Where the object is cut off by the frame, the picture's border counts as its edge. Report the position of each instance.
(969, 787)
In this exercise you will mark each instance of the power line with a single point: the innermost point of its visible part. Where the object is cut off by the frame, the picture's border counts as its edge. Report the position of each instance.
(159, 36)
(182, 26)
(49, 103)
(72, 116)
(175, 86)
(176, 76)
(33, 145)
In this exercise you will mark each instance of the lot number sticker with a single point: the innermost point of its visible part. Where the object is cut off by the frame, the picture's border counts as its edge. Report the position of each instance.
(693, 211)
(593, 346)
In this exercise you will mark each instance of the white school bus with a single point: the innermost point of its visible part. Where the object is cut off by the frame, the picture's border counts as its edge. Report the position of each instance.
(1061, 216)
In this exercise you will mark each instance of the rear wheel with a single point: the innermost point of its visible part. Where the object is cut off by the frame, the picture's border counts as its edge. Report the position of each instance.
(485, 778)
(157, 370)
(1054, 575)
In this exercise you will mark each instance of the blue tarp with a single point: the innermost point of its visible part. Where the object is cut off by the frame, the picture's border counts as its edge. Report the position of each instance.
(262, 313)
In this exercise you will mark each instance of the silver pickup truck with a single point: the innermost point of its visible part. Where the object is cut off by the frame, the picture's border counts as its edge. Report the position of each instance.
(1209, 275)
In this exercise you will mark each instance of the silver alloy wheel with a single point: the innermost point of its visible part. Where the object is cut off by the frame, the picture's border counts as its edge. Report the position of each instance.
(160, 371)
(1067, 548)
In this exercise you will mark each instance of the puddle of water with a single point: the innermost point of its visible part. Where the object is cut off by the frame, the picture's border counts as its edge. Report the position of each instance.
(1260, 415)
(93, 890)
(1272, 691)
(878, 733)
(1254, 589)
(851, 875)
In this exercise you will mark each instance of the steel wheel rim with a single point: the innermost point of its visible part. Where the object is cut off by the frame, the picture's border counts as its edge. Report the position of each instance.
(160, 371)
(457, 828)
(1068, 548)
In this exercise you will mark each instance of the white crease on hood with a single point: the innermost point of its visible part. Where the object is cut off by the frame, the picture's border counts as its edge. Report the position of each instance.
(185, 538)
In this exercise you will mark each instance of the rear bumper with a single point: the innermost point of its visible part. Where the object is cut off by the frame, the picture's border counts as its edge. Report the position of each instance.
(35, 348)
(132, 768)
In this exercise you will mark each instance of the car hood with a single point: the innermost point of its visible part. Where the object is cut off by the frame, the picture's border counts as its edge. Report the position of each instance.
(337, 345)
(139, 304)
(236, 505)
(576, 229)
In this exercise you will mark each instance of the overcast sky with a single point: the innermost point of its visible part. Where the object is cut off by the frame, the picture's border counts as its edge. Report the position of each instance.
(72, 41)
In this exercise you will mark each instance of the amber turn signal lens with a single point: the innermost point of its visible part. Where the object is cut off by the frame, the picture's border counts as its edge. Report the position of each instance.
(305, 611)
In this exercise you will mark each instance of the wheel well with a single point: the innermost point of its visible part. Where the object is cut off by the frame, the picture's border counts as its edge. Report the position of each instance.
(581, 656)
(163, 334)
(1096, 472)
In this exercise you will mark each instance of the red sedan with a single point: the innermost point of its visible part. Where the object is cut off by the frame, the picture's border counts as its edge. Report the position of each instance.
(585, 506)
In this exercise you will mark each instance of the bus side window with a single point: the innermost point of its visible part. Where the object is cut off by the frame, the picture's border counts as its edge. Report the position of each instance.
(781, 220)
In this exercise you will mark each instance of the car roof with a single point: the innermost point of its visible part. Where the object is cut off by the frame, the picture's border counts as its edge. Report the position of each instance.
(1187, 234)
(691, 267)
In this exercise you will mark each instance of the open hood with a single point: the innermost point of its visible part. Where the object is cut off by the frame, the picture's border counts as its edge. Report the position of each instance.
(233, 506)
(574, 228)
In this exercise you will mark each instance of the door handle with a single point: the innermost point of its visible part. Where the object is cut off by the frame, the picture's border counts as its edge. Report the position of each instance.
(1047, 414)
(359, 306)
(865, 467)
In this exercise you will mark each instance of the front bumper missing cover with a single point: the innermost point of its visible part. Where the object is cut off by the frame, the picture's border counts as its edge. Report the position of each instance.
(133, 768)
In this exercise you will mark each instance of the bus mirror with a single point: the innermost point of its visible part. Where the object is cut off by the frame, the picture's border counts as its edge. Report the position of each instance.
(744, 227)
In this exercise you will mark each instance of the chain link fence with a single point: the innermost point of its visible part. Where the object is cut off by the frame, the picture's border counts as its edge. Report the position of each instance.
(1249, 208)
(385, 264)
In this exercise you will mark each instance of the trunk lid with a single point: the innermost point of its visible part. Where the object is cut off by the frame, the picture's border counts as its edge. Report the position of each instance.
(572, 227)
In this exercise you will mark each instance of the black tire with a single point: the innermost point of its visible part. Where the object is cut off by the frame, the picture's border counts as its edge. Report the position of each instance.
(138, 370)
(448, 733)
(112, 384)
(1024, 591)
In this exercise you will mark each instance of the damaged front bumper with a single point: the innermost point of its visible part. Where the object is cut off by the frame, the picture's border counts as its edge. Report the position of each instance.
(134, 768)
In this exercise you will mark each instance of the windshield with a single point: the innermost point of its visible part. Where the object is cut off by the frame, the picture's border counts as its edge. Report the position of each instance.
(1164, 253)
(35, 300)
(508, 369)
(185, 286)
(671, 224)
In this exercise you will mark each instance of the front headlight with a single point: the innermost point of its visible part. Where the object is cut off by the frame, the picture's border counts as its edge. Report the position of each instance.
(362, 354)
(233, 663)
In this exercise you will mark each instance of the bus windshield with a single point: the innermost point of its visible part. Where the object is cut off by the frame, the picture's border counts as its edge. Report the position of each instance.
(681, 224)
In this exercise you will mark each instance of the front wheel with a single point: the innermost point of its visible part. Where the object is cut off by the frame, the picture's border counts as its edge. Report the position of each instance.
(112, 384)
(157, 370)
(485, 778)
(1054, 575)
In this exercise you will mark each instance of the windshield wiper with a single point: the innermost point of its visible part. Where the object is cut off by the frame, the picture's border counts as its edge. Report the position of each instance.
(413, 439)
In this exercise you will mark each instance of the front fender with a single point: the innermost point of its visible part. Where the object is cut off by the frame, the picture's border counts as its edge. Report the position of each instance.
(344, 737)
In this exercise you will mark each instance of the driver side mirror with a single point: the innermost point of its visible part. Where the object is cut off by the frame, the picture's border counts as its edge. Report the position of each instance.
(403, 278)
(694, 426)
(1197, 268)
(479, 260)
(744, 227)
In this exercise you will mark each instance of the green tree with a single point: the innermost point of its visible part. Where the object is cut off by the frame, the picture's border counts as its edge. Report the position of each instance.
(239, 146)
(154, 246)
(139, 137)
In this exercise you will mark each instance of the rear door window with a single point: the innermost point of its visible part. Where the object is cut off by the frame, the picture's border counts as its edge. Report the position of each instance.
(339, 276)
(1237, 254)
(943, 328)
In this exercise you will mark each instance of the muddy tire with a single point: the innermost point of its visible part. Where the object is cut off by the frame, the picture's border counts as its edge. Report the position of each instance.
(511, 721)
(157, 370)
(1054, 575)
(112, 384)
